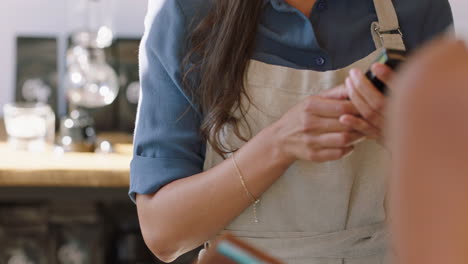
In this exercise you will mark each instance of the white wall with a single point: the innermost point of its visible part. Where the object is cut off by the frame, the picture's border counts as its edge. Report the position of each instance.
(48, 17)
(460, 12)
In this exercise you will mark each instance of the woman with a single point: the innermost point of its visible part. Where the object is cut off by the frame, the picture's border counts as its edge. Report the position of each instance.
(245, 125)
(430, 146)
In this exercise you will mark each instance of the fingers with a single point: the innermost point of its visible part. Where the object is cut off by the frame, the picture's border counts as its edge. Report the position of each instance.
(382, 71)
(339, 140)
(368, 111)
(329, 108)
(330, 125)
(330, 154)
(337, 93)
(332, 140)
(361, 126)
(366, 89)
(317, 125)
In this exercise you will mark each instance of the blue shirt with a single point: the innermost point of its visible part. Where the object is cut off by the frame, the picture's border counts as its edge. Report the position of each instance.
(167, 144)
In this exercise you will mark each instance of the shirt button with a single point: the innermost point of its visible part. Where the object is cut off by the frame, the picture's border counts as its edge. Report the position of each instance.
(322, 6)
(320, 61)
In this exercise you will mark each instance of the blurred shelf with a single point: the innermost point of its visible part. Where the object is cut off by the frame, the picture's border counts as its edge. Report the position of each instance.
(50, 169)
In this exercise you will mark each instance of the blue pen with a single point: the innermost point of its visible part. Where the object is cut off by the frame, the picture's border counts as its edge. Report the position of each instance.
(237, 254)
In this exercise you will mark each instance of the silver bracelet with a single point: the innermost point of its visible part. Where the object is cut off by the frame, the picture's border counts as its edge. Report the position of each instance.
(249, 194)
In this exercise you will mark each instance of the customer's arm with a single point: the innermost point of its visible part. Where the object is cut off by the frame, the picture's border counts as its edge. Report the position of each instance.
(430, 150)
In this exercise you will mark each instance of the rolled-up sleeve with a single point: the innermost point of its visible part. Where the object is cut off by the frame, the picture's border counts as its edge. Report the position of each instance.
(167, 142)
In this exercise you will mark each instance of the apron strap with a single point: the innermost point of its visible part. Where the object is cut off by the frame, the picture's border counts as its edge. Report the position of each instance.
(386, 32)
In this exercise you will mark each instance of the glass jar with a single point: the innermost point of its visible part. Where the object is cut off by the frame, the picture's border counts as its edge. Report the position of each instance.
(29, 126)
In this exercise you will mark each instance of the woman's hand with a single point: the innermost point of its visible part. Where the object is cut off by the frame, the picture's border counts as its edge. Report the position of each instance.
(369, 102)
(312, 131)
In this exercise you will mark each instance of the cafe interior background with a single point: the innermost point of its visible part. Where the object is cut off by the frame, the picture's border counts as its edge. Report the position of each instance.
(68, 97)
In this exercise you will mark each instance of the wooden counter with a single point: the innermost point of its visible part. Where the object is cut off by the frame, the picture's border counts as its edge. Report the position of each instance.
(51, 169)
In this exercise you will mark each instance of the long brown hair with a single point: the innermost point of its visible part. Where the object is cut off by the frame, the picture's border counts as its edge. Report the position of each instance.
(220, 48)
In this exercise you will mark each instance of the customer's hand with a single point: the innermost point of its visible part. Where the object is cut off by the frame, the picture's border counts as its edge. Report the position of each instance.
(312, 131)
(369, 102)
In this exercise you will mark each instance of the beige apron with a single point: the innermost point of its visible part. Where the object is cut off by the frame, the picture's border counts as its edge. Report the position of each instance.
(315, 213)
